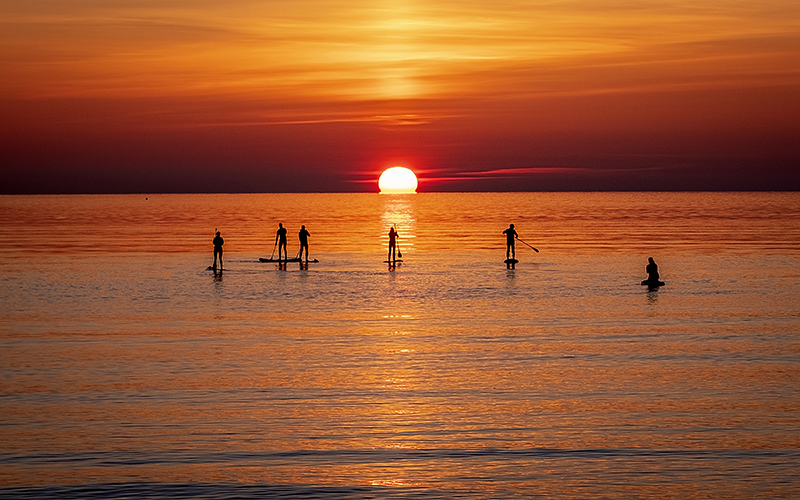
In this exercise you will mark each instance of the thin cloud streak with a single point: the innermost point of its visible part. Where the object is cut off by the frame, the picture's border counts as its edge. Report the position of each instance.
(353, 52)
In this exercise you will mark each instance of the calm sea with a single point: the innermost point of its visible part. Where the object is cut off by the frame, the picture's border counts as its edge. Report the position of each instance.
(129, 370)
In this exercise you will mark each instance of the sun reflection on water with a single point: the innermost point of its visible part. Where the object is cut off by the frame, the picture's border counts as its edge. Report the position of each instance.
(398, 212)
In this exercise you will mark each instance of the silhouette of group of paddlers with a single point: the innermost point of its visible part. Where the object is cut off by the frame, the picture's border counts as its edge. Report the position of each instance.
(281, 243)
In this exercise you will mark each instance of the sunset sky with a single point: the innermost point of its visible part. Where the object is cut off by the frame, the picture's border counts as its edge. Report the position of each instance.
(306, 95)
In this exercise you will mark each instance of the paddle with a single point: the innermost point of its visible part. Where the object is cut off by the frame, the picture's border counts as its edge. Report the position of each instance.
(399, 253)
(273, 251)
(535, 250)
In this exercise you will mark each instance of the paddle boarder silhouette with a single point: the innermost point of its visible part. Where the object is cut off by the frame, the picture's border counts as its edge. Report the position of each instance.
(218, 242)
(303, 235)
(280, 240)
(652, 270)
(511, 235)
(393, 235)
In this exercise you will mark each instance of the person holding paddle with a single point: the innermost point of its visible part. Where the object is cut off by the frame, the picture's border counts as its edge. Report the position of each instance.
(280, 240)
(218, 242)
(511, 236)
(392, 244)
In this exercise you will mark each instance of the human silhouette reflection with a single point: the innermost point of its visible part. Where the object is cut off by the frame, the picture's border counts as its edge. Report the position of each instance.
(282, 265)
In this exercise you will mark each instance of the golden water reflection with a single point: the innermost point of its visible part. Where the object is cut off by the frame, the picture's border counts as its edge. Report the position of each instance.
(564, 376)
(399, 212)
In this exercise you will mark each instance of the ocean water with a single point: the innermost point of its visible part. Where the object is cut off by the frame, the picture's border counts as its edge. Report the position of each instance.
(130, 370)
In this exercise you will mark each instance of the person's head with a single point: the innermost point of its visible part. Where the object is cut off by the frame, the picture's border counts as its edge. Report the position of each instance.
(650, 260)
(280, 224)
(217, 233)
(511, 226)
(302, 227)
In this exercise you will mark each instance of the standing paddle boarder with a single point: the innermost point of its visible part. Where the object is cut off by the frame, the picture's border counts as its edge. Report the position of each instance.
(303, 235)
(511, 235)
(392, 244)
(218, 242)
(280, 240)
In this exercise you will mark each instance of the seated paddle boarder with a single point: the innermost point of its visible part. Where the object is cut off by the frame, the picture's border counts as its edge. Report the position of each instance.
(652, 270)
(511, 235)
(280, 240)
(392, 244)
(303, 235)
(218, 242)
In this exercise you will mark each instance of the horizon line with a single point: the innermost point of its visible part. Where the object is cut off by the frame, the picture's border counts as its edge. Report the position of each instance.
(101, 193)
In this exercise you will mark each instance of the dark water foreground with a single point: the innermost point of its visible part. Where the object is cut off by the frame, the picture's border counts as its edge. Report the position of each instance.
(543, 473)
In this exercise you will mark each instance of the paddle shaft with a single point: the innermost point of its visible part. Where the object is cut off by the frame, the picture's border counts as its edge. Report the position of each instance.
(399, 253)
(534, 249)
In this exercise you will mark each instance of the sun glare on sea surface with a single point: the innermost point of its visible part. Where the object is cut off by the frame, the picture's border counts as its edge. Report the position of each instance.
(397, 180)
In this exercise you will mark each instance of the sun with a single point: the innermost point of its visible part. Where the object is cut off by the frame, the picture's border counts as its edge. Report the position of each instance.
(397, 180)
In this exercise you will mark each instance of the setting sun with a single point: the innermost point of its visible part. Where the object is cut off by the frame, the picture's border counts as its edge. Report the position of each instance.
(398, 180)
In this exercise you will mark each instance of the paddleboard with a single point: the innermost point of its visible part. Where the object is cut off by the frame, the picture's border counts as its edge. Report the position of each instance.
(392, 261)
(653, 283)
(511, 261)
(294, 259)
(211, 268)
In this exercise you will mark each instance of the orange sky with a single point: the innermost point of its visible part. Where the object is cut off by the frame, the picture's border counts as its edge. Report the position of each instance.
(180, 95)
